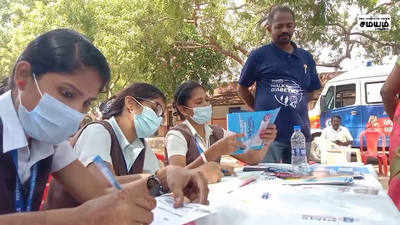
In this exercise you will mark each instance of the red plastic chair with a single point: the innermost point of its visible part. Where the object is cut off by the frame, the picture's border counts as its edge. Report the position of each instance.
(372, 137)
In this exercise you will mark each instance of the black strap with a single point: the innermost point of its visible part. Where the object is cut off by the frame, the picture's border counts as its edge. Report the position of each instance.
(1, 136)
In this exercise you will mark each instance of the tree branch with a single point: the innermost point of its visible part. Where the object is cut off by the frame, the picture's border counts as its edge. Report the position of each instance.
(237, 7)
(212, 42)
(213, 45)
(338, 25)
(334, 65)
(241, 49)
(352, 26)
(379, 6)
(370, 37)
(351, 43)
(230, 54)
(191, 45)
(195, 15)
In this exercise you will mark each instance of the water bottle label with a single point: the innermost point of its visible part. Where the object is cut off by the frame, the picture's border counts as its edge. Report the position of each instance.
(299, 152)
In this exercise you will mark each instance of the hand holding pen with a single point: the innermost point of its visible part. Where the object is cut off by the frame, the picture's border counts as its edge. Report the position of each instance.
(129, 205)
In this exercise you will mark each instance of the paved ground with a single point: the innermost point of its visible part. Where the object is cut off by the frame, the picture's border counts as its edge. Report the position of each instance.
(382, 179)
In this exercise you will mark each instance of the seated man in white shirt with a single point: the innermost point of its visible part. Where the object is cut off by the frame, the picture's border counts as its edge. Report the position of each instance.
(336, 136)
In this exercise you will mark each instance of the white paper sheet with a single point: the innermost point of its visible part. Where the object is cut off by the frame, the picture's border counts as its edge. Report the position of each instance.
(166, 214)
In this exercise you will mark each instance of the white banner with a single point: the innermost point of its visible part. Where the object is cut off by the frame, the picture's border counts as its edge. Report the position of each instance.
(374, 22)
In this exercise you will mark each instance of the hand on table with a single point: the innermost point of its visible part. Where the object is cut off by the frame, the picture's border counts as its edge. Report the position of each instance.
(228, 170)
(211, 171)
(184, 182)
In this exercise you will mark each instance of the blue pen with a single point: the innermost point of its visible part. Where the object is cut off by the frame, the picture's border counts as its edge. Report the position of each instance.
(106, 172)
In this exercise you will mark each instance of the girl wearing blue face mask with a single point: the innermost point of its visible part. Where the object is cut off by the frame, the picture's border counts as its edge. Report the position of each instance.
(194, 141)
(52, 84)
(130, 116)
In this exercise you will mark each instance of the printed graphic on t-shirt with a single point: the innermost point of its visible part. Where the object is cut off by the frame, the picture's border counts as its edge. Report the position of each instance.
(287, 92)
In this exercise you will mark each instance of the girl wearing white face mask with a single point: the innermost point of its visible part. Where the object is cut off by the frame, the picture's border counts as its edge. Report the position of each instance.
(195, 142)
(52, 84)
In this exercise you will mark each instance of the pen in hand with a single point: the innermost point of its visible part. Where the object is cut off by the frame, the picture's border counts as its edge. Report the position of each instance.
(102, 166)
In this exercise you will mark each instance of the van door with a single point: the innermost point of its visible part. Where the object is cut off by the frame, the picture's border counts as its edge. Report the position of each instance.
(340, 100)
(328, 104)
(374, 115)
(349, 111)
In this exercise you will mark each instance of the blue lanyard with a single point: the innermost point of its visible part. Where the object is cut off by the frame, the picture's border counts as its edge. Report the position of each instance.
(20, 205)
(198, 147)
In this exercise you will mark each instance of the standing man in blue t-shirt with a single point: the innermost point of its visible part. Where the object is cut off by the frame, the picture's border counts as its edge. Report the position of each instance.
(285, 76)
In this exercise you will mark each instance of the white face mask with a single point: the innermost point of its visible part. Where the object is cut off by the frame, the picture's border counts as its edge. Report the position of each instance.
(202, 114)
(51, 121)
(146, 123)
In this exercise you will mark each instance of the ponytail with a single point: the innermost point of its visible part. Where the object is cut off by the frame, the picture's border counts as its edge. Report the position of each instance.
(115, 105)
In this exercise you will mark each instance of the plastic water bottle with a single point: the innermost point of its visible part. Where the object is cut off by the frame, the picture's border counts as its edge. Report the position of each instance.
(299, 153)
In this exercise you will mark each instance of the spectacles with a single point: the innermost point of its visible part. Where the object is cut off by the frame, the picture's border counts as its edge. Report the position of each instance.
(155, 106)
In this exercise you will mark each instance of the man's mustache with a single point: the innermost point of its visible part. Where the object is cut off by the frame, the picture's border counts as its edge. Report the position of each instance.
(284, 34)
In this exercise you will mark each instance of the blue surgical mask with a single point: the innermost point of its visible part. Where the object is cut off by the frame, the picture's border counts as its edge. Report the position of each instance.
(202, 114)
(51, 121)
(146, 123)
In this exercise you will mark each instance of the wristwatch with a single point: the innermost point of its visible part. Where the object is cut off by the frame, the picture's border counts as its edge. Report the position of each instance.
(155, 186)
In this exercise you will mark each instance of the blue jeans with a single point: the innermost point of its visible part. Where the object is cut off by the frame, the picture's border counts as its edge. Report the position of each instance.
(280, 152)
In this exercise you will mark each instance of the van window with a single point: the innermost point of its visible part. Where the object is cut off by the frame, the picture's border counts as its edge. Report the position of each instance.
(329, 98)
(372, 92)
(345, 95)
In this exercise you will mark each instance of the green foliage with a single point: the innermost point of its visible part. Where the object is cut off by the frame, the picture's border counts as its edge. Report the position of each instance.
(165, 42)
(137, 37)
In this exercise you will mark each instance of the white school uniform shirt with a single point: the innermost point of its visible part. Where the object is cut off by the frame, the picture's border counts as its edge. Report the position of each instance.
(96, 140)
(14, 138)
(176, 143)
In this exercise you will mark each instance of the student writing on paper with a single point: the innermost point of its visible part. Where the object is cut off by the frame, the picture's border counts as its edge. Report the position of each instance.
(194, 141)
(130, 116)
(52, 84)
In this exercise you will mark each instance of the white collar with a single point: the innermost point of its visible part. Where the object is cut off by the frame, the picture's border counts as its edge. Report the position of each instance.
(13, 133)
(123, 142)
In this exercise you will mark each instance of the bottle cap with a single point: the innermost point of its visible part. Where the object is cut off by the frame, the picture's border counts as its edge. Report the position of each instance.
(297, 127)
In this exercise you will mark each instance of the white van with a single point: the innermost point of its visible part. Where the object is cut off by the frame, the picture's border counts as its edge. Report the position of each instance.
(355, 97)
